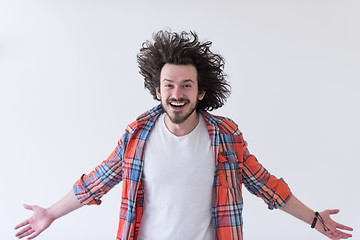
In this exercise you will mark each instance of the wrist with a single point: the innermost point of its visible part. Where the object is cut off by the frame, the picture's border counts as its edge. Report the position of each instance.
(314, 221)
(319, 220)
(52, 213)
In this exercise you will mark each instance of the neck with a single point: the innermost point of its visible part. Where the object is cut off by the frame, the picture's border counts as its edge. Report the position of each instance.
(183, 128)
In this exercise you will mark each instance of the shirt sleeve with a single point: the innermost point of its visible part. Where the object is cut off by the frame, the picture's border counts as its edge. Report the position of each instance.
(275, 192)
(91, 187)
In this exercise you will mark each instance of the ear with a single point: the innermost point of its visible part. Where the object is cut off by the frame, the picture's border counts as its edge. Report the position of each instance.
(158, 95)
(201, 95)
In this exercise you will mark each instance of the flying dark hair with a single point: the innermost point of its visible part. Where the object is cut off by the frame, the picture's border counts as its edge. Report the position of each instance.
(182, 49)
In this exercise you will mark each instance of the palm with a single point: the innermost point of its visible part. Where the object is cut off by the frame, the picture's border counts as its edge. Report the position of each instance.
(36, 224)
(333, 231)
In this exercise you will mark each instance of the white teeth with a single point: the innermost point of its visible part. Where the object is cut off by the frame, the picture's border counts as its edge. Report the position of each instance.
(178, 104)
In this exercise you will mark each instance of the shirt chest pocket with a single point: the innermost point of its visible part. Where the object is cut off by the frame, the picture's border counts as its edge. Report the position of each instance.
(228, 170)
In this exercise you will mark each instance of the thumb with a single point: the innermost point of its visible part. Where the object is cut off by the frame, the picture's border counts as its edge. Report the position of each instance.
(334, 211)
(28, 207)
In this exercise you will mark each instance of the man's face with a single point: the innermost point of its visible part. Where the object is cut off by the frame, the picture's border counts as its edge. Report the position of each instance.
(178, 91)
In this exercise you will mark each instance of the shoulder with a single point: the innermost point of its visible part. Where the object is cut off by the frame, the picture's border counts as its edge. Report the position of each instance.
(224, 124)
(228, 126)
(145, 120)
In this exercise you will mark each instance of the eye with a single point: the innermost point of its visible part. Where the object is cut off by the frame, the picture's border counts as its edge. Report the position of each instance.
(187, 86)
(168, 85)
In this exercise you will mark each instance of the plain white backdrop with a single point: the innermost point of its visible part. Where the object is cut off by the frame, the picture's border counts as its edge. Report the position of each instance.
(69, 84)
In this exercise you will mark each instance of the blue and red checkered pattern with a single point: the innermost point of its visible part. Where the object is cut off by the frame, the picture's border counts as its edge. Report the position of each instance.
(234, 166)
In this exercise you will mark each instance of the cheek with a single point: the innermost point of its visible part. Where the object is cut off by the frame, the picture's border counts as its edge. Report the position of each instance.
(162, 96)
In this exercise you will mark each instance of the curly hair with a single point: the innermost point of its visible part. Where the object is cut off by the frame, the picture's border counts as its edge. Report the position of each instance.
(182, 49)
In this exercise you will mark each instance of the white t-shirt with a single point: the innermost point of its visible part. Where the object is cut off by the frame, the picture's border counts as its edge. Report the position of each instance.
(178, 178)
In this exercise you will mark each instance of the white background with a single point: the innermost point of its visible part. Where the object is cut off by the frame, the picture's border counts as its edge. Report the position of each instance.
(69, 84)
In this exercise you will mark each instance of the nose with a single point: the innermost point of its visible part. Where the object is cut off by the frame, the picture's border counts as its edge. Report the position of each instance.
(178, 93)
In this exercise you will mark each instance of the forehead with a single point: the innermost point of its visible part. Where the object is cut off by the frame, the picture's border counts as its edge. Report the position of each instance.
(178, 73)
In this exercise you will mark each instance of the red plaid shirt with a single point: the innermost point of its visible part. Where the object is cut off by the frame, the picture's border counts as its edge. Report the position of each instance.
(234, 166)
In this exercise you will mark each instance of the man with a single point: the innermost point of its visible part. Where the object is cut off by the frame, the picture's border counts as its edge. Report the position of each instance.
(181, 168)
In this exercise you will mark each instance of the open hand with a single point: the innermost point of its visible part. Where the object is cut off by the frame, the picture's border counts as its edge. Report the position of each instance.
(333, 231)
(37, 223)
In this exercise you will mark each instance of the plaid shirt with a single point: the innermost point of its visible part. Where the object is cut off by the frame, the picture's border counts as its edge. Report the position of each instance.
(234, 166)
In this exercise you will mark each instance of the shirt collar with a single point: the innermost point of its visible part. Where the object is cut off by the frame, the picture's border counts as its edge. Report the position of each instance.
(157, 110)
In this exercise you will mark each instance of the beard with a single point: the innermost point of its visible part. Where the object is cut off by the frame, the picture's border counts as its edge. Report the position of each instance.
(179, 117)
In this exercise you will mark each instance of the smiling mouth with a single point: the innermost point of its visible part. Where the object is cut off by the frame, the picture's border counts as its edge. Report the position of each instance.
(178, 104)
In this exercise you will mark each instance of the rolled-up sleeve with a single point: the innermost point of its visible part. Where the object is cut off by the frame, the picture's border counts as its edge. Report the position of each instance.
(91, 187)
(275, 192)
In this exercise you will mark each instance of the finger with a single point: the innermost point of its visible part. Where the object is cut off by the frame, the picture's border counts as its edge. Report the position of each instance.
(23, 232)
(27, 233)
(343, 227)
(334, 211)
(28, 207)
(342, 235)
(34, 235)
(24, 223)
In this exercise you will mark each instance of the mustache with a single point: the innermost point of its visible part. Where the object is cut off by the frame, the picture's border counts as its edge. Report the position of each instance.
(178, 100)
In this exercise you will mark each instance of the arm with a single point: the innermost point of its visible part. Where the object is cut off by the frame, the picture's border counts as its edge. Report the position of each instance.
(276, 194)
(43, 217)
(299, 210)
(102, 179)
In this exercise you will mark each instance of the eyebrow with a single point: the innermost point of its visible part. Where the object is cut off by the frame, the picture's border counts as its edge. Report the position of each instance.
(183, 81)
